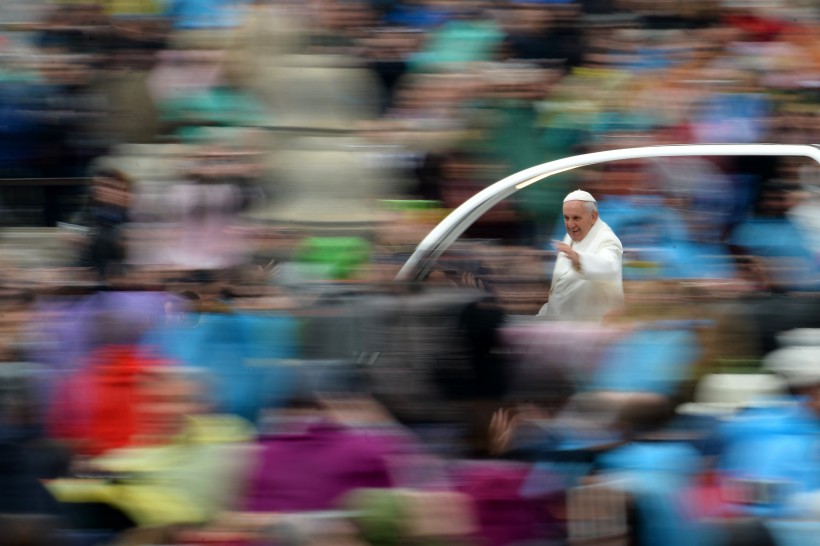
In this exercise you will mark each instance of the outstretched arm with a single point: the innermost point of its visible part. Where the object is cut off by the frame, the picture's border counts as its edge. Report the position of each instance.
(600, 265)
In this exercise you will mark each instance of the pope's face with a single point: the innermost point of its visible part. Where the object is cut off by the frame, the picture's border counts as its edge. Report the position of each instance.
(578, 219)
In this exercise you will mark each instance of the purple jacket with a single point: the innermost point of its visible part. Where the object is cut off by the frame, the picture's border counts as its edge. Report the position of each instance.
(311, 470)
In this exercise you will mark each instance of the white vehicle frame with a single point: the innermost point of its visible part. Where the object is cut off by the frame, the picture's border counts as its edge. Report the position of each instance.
(451, 227)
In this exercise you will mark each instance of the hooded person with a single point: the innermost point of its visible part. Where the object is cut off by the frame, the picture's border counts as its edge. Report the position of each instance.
(587, 282)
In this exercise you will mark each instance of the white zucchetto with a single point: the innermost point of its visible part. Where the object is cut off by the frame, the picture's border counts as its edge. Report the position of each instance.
(579, 195)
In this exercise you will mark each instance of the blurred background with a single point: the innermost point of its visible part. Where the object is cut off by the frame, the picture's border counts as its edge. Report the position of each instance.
(203, 205)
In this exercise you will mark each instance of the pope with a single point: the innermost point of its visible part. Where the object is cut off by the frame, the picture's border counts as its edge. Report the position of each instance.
(587, 282)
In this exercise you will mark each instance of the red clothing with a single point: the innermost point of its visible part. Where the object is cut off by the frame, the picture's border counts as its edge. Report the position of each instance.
(98, 407)
(760, 28)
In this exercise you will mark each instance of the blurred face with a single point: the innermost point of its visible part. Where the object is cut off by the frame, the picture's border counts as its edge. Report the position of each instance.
(165, 402)
(578, 219)
(110, 191)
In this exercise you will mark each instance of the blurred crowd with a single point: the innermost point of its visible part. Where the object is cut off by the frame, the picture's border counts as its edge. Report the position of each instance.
(220, 354)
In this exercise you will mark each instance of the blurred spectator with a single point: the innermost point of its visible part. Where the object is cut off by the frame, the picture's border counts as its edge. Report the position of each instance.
(470, 35)
(83, 406)
(535, 34)
(294, 473)
(74, 27)
(104, 217)
(772, 236)
(387, 50)
(658, 358)
(771, 444)
(244, 351)
(157, 479)
(200, 213)
(22, 98)
(653, 475)
(734, 113)
(67, 115)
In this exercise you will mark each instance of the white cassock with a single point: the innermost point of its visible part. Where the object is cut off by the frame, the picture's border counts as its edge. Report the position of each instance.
(595, 290)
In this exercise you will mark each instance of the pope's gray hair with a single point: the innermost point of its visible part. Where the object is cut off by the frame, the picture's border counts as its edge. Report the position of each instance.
(591, 206)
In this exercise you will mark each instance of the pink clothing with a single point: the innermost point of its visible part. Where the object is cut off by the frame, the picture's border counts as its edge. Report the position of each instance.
(199, 228)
